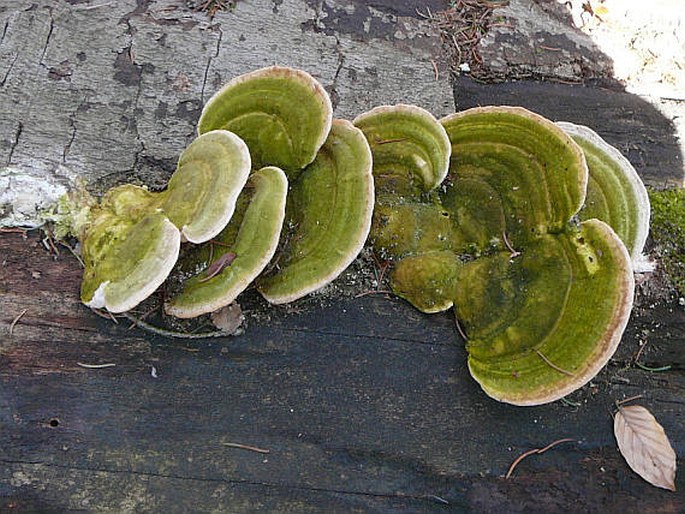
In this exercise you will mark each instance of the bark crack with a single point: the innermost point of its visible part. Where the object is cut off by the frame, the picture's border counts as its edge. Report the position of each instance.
(4, 32)
(9, 70)
(15, 142)
(72, 125)
(232, 481)
(47, 39)
(332, 91)
(209, 63)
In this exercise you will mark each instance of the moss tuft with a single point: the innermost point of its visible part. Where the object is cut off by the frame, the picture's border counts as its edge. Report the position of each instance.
(668, 232)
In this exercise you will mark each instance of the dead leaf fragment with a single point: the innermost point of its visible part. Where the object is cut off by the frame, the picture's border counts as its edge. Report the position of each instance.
(643, 443)
(229, 318)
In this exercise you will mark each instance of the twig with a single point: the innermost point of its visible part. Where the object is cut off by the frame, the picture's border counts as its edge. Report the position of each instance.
(73, 252)
(655, 370)
(551, 364)
(376, 291)
(14, 230)
(460, 329)
(52, 248)
(514, 253)
(96, 366)
(435, 69)
(172, 333)
(105, 314)
(144, 315)
(533, 452)
(647, 368)
(15, 320)
(246, 447)
(626, 400)
(570, 403)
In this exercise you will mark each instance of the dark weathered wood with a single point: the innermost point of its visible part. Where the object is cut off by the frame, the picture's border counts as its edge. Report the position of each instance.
(642, 133)
(364, 405)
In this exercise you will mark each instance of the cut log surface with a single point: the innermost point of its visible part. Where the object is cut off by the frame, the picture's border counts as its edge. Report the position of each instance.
(346, 405)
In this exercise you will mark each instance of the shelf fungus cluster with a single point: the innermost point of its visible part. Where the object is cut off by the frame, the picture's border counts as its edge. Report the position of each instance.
(518, 239)
(529, 230)
(271, 181)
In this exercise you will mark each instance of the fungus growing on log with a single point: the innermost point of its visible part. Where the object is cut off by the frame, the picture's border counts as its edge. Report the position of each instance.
(243, 250)
(131, 238)
(329, 210)
(615, 192)
(283, 114)
(544, 301)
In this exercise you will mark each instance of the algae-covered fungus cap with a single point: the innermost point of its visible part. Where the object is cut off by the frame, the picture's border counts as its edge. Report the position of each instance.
(243, 250)
(283, 114)
(131, 239)
(330, 206)
(615, 193)
(545, 312)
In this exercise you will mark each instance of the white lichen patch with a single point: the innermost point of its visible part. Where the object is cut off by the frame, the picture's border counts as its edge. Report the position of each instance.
(25, 196)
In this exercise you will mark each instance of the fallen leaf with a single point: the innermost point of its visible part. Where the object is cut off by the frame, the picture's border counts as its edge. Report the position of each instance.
(229, 318)
(218, 266)
(643, 443)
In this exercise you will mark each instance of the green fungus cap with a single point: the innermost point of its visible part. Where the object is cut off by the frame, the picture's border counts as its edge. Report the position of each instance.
(411, 150)
(283, 114)
(330, 206)
(615, 192)
(251, 238)
(131, 239)
(202, 192)
(543, 299)
(132, 266)
(545, 311)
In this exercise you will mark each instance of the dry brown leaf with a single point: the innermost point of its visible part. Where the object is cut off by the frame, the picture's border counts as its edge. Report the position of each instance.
(643, 443)
(229, 318)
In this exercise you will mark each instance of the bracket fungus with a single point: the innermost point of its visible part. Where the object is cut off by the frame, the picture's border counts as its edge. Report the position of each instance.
(544, 299)
(330, 206)
(249, 242)
(283, 114)
(131, 238)
(615, 192)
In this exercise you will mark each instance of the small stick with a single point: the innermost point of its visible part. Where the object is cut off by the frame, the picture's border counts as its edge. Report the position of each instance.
(514, 253)
(377, 291)
(461, 331)
(14, 230)
(246, 447)
(655, 370)
(171, 333)
(533, 452)
(551, 364)
(96, 366)
(435, 69)
(105, 314)
(16, 320)
(626, 400)
(144, 315)
(73, 252)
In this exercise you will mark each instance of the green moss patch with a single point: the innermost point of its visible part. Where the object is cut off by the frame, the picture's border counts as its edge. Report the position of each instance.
(668, 232)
